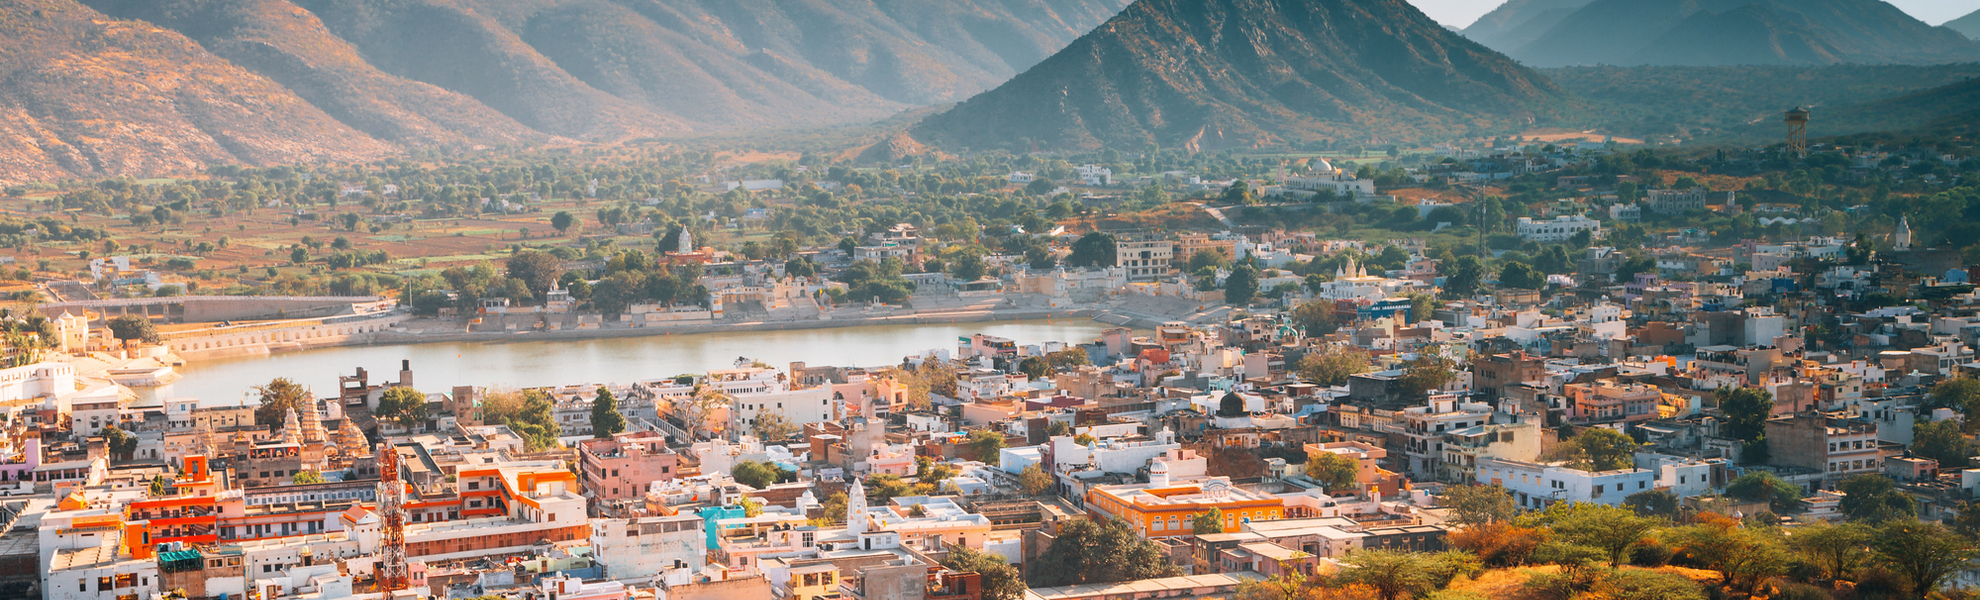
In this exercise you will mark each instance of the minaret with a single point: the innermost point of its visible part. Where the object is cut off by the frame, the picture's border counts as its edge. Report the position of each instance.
(1902, 240)
(312, 424)
(687, 241)
(856, 508)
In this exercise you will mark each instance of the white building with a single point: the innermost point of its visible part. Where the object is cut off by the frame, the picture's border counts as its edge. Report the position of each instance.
(647, 546)
(1536, 485)
(757, 391)
(1559, 229)
(1094, 175)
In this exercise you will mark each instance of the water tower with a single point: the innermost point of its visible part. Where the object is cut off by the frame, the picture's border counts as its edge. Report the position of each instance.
(1797, 140)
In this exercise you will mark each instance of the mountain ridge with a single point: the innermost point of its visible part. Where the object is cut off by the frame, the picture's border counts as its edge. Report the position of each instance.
(1672, 32)
(1242, 73)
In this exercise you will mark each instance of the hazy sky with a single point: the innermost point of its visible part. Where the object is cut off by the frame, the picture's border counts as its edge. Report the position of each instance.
(1459, 13)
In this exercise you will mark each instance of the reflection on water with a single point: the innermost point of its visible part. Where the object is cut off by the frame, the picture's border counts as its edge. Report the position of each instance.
(441, 366)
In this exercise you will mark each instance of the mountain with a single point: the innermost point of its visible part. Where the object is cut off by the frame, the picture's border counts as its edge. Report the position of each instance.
(1240, 73)
(1518, 22)
(1968, 25)
(1742, 32)
(382, 75)
(1946, 111)
(89, 96)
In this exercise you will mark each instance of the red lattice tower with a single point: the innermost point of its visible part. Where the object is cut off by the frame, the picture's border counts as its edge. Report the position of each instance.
(393, 574)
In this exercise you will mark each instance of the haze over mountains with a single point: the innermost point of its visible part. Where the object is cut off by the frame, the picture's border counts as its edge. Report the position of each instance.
(1968, 25)
(1557, 33)
(1241, 73)
(103, 87)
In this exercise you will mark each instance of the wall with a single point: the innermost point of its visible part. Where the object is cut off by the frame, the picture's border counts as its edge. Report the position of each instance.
(258, 340)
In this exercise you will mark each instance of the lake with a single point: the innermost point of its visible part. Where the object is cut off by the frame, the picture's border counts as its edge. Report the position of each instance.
(438, 367)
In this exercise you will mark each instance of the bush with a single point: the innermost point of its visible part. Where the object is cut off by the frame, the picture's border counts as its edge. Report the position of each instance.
(1802, 591)
(1651, 554)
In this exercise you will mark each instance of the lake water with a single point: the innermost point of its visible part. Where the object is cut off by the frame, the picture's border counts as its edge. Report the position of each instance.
(438, 367)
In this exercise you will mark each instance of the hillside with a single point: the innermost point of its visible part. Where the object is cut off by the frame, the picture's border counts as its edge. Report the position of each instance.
(1968, 25)
(353, 79)
(1743, 103)
(89, 96)
(1243, 73)
(1518, 22)
(1947, 110)
(1742, 32)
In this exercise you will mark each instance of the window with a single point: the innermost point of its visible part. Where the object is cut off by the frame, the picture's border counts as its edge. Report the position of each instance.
(102, 583)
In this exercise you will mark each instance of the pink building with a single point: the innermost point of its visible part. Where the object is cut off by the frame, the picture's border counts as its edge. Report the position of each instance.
(621, 466)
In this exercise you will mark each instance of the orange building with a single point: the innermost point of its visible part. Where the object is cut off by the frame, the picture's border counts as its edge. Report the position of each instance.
(1161, 509)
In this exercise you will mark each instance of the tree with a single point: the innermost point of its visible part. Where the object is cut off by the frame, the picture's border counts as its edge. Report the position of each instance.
(751, 507)
(1875, 499)
(1429, 371)
(1207, 523)
(998, 579)
(1960, 394)
(772, 427)
(1609, 529)
(1207, 258)
(1761, 486)
(1478, 504)
(1239, 193)
(1241, 286)
(1464, 277)
(404, 406)
(278, 398)
(1743, 557)
(1942, 441)
(1092, 551)
(1747, 410)
(121, 443)
(1035, 367)
(605, 417)
(1331, 365)
(562, 221)
(1519, 275)
(1392, 574)
(984, 445)
(133, 327)
(1924, 554)
(1317, 317)
(1499, 543)
(1034, 481)
(694, 410)
(1602, 449)
(306, 477)
(1834, 550)
(535, 420)
(538, 270)
(1094, 249)
(1653, 503)
(759, 475)
(1335, 472)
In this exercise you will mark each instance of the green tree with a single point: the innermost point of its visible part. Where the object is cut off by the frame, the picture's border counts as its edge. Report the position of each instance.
(1744, 557)
(1396, 574)
(538, 270)
(1241, 286)
(404, 406)
(127, 328)
(1335, 472)
(1942, 441)
(1835, 551)
(998, 579)
(1960, 394)
(1478, 504)
(1924, 554)
(1034, 481)
(1747, 410)
(535, 421)
(1035, 367)
(1429, 371)
(1094, 249)
(306, 477)
(121, 443)
(1239, 193)
(1762, 486)
(1090, 551)
(1613, 530)
(562, 221)
(1603, 449)
(1519, 275)
(1316, 318)
(1207, 523)
(760, 475)
(605, 417)
(772, 427)
(1653, 503)
(1464, 278)
(1875, 499)
(1331, 365)
(984, 445)
(1207, 258)
(278, 398)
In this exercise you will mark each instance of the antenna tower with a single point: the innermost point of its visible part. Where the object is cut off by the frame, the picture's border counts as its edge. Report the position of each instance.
(1797, 139)
(393, 574)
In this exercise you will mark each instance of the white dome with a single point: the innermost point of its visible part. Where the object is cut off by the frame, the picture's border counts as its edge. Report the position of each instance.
(1161, 466)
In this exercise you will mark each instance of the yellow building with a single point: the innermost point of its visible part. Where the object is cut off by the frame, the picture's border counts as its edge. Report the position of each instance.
(814, 581)
(1161, 509)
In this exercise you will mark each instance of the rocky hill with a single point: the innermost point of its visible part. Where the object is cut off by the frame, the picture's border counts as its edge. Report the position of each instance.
(1968, 25)
(361, 78)
(1742, 32)
(1240, 73)
(1519, 22)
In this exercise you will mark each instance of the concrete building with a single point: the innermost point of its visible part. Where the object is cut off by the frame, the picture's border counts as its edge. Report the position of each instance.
(622, 466)
(1839, 448)
(648, 546)
(1536, 485)
(1558, 229)
(1144, 259)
